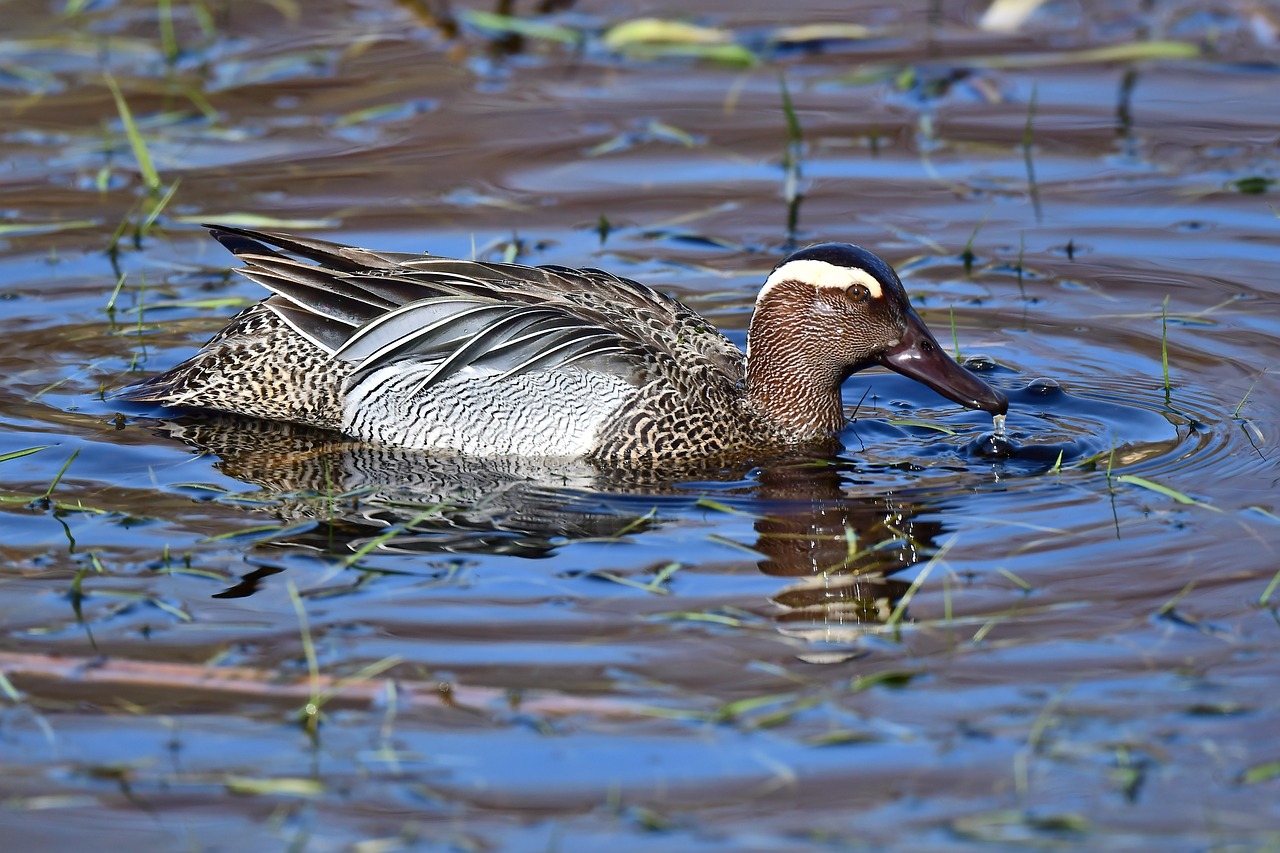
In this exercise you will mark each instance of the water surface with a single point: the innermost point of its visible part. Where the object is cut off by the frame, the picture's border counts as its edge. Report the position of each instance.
(924, 642)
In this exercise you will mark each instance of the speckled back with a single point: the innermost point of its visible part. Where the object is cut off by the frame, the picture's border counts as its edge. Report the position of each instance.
(256, 366)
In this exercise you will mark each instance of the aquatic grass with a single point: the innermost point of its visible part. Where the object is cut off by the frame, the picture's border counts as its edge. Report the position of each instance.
(287, 786)
(1169, 610)
(655, 38)
(921, 424)
(1265, 599)
(309, 714)
(968, 256)
(24, 229)
(1028, 138)
(141, 154)
(841, 737)
(256, 220)
(651, 130)
(392, 532)
(1245, 398)
(719, 539)
(1181, 498)
(511, 25)
(1137, 51)
(1035, 739)
(132, 597)
(8, 690)
(1021, 584)
(155, 210)
(110, 309)
(636, 523)
(319, 693)
(1253, 185)
(895, 617)
(26, 451)
(718, 506)
(48, 493)
(792, 158)
(1128, 773)
(1164, 346)
(1022, 249)
(1261, 773)
(145, 211)
(168, 38)
(828, 32)
(210, 304)
(259, 533)
(738, 708)
(654, 586)
(955, 338)
(728, 619)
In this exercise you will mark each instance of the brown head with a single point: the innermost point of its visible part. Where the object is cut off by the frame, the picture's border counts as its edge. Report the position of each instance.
(828, 311)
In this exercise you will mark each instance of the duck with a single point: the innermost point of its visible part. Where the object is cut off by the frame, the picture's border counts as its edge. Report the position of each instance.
(487, 359)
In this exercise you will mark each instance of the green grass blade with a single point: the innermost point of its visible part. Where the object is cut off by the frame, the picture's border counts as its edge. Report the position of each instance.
(139, 145)
(1164, 345)
(18, 454)
(911, 422)
(61, 472)
(1265, 598)
(1176, 495)
(1245, 398)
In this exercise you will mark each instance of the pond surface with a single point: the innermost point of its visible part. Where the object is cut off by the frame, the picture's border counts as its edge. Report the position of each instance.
(915, 644)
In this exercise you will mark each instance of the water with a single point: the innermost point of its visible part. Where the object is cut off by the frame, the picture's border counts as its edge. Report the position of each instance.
(950, 635)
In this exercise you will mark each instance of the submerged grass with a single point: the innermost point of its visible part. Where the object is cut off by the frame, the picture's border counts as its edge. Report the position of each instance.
(141, 154)
(792, 157)
(1028, 139)
(895, 618)
(1164, 347)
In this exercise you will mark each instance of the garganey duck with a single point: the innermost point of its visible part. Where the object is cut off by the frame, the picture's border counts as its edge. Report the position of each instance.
(492, 359)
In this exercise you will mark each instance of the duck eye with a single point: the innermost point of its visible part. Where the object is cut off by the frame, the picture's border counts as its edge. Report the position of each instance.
(857, 292)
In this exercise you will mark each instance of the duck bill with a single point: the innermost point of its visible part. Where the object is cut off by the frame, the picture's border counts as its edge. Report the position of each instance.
(919, 357)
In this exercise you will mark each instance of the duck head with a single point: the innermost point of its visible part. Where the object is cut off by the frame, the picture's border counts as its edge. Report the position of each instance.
(828, 311)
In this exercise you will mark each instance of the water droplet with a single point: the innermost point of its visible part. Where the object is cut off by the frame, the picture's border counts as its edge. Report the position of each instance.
(979, 363)
(1044, 387)
(999, 421)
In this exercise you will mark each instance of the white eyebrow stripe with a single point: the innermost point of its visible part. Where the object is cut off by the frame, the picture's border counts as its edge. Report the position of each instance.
(822, 275)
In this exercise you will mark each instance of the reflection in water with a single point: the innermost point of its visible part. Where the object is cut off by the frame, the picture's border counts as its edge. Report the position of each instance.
(816, 522)
(398, 499)
(839, 549)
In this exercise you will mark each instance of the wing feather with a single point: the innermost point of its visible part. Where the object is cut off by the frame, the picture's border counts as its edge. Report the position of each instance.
(373, 309)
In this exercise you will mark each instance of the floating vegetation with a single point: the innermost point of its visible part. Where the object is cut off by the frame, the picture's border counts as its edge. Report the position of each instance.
(1255, 185)
(525, 27)
(653, 38)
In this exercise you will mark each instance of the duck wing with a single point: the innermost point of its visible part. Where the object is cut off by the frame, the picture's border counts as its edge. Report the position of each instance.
(374, 308)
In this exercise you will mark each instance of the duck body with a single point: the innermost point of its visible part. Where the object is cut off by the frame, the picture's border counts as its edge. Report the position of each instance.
(507, 360)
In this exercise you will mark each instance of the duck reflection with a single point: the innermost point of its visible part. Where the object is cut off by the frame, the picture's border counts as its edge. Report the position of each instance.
(842, 550)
